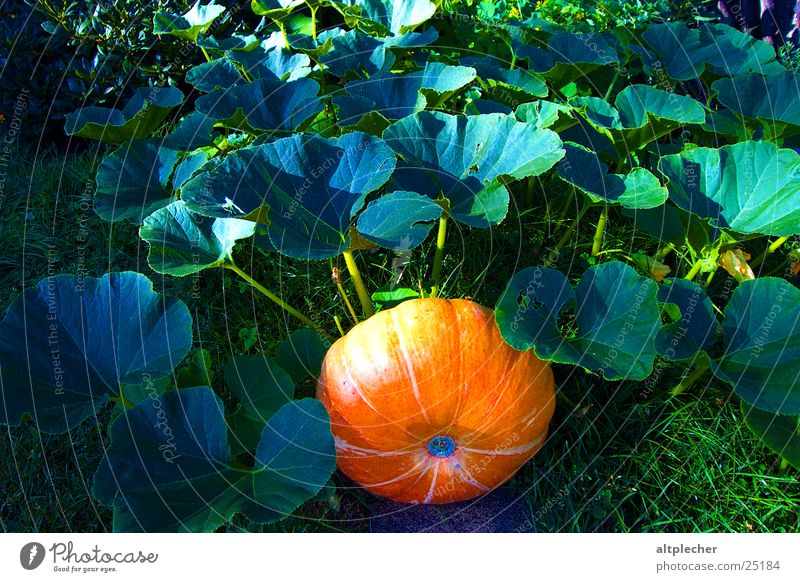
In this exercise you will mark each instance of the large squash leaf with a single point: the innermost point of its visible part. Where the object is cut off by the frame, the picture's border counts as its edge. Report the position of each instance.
(188, 25)
(262, 387)
(462, 158)
(643, 114)
(638, 189)
(762, 345)
(169, 465)
(399, 220)
(695, 330)
(615, 324)
(773, 101)
(394, 15)
(398, 96)
(749, 187)
(780, 433)
(686, 53)
(182, 242)
(67, 344)
(313, 186)
(263, 105)
(140, 117)
(133, 181)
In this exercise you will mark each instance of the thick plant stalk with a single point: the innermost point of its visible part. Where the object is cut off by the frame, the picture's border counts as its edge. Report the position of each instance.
(597, 242)
(774, 246)
(570, 228)
(439, 256)
(338, 280)
(272, 297)
(694, 270)
(363, 296)
(689, 380)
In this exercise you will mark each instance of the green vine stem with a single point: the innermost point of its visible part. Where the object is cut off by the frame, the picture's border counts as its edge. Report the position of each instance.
(274, 298)
(689, 380)
(439, 256)
(614, 80)
(313, 9)
(597, 242)
(664, 251)
(205, 54)
(694, 270)
(338, 280)
(776, 244)
(363, 296)
(568, 233)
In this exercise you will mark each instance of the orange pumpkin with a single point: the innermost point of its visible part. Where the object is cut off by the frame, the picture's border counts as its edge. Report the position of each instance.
(428, 404)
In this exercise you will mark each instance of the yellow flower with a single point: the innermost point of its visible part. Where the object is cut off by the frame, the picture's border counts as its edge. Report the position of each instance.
(514, 12)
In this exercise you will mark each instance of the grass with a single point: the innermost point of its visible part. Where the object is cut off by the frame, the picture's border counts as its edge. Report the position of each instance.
(628, 458)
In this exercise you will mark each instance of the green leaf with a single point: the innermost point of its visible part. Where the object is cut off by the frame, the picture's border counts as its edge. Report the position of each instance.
(391, 296)
(686, 53)
(140, 117)
(584, 170)
(398, 96)
(491, 68)
(616, 320)
(274, 8)
(569, 56)
(773, 101)
(314, 187)
(462, 157)
(394, 15)
(263, 105)
(749, 187)
(545, 114)
(696, 327)
(262, 388)
(170, 463)
(357, 52)
(643, 114)
(196, 371)
(301, 354)
(780, 433)
(67, 344)
(182, 242)
(762, 345)
(192, 132)
(188, 25)
(132, 181)
(398, 221)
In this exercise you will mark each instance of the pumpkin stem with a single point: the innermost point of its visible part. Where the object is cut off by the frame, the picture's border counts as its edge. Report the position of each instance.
(363, 296)
(439, 256)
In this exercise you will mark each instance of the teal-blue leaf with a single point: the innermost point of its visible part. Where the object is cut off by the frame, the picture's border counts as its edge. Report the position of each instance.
(67, 344)
(398, 221)
(750, 187)
(761, 330)
(170, 463)
(696, 330)
(140, 117)
(314, 187)
(616, 319)
(132, 182)
(461, 157)
(182, 242)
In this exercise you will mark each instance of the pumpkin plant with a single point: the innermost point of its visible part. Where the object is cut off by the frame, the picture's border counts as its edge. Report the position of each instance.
(304, 144)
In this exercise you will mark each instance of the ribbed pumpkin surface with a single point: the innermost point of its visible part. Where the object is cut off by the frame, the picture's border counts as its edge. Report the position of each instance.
(428, 404)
